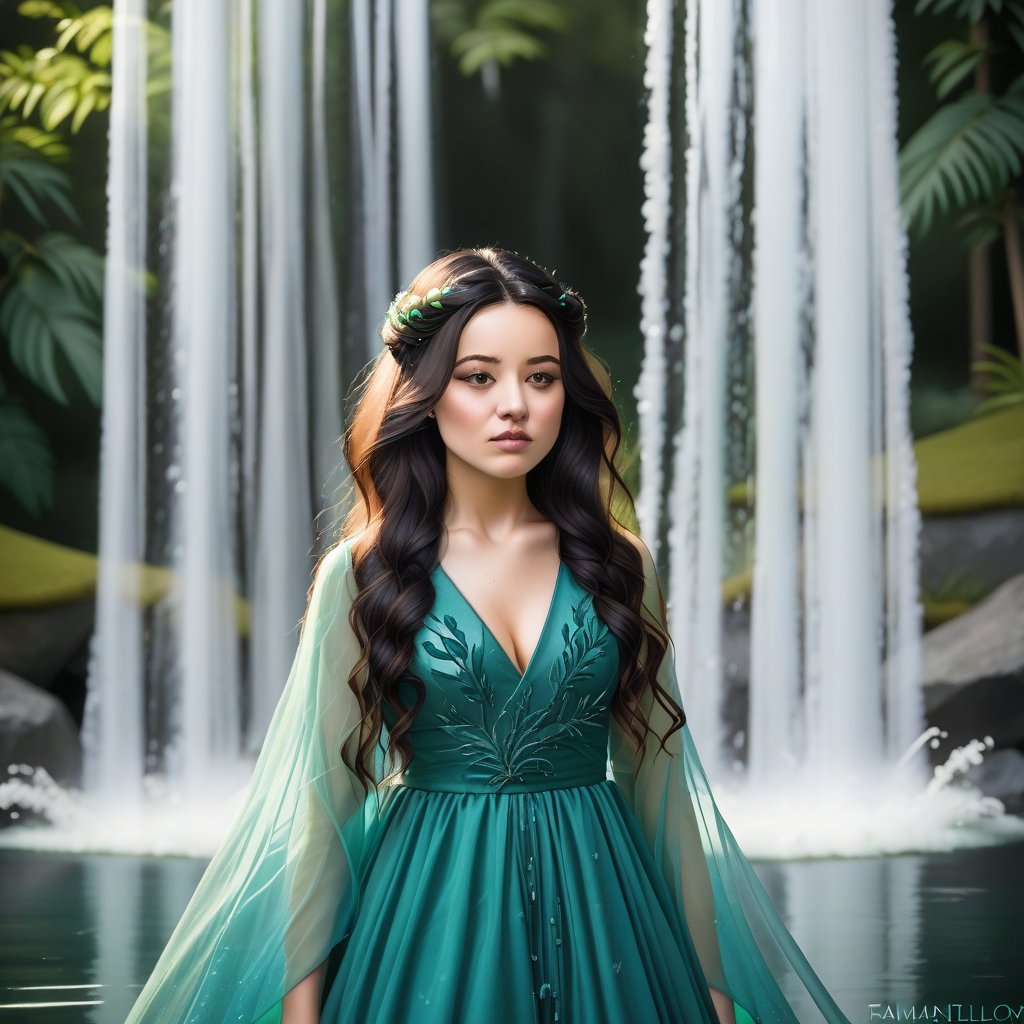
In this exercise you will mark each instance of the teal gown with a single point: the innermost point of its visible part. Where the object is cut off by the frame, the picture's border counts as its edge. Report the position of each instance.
(506, 875)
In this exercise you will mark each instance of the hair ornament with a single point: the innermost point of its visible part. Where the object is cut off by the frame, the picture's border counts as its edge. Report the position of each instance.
(407, 307)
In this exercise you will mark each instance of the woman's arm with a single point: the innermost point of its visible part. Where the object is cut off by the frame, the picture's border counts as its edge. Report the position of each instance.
(723, 1006)
(302, 1004)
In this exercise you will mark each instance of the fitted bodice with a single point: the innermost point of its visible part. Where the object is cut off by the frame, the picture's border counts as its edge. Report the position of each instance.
(483, 727)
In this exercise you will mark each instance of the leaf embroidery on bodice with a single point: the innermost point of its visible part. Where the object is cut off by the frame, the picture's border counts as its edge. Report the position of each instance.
(512, 743)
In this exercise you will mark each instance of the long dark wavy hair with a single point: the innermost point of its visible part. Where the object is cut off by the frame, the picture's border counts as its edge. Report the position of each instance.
(397, 461)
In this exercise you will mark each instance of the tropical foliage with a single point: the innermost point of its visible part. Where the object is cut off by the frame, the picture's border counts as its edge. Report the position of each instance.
(967, 157)
(51, 284)
(486, 35)
(969, 152)
(1006, 373)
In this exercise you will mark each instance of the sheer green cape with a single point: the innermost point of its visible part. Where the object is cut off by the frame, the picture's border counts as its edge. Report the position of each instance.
(283, 889)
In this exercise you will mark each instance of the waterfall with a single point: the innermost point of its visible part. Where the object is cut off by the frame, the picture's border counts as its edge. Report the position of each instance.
(325, 308)
(779, 261)
(696, 534)
(208, 706)
(795, 353)
(655, 162)
(903, 703)
(117, 768)
(415, 173)
(393, 123)
(219, 453)
(283, 537)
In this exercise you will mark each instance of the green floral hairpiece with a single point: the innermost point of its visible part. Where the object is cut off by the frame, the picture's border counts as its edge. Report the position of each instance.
(408, 307)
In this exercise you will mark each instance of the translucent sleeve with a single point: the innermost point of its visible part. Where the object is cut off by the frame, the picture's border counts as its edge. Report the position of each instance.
(743, 945)
(283, 887)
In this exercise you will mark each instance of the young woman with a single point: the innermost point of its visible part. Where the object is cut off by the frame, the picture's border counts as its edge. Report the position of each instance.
(431, 833)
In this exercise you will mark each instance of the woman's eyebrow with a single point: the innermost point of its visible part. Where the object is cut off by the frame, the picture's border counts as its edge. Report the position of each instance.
(496, 360)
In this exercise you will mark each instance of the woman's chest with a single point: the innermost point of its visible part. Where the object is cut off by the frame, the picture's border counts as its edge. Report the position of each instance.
(479, 706)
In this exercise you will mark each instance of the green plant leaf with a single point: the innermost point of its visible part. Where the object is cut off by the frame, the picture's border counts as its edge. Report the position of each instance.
(533, 13)
(62, 105)
(33, 181)
(77, 267)
(499, 30)
(42, 143)
(967, 152)
(980, 225)
(42, 9)
(971, 10)
(53, 82)
(102, 50)
(1005, 371)
(1015, 22)
(951, 62)
(51, 308)
(83, 110)
(26, 460)
(999, 402)
(478, 46)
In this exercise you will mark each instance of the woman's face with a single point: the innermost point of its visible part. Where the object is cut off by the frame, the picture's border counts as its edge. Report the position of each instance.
(507, 377)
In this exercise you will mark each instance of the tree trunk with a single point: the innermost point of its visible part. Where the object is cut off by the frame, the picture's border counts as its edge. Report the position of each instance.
(1014, 264)
(979, 281)
(979, 261)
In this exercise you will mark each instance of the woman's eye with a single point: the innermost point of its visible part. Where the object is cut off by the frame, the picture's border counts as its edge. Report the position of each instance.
(546, 378)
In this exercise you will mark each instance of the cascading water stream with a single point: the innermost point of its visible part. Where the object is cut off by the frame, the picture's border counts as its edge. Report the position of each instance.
(117, 650)
(794, 356)
(217, 454)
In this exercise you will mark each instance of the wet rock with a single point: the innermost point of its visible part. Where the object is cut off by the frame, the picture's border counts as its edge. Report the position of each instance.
(990, 542)
(973, 687)
(973, 671)
(37, 729)
(1001, 774)
(36, 643)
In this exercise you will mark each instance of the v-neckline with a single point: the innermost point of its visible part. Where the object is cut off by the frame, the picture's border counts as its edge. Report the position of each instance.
(487, 629)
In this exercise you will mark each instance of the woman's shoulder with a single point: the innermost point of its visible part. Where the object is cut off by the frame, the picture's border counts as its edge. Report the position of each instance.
(335, 565)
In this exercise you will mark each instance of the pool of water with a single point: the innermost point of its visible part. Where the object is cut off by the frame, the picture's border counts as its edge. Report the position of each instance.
(889, 935)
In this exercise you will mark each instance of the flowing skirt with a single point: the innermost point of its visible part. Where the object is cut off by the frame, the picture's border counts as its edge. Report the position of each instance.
(515, 907)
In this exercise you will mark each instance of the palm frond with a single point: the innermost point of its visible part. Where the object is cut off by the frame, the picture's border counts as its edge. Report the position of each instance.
(965, 153)
(999, 402)
(1015, 22)
(972, 10)
(478, 46)
(1005, 369)
(534, 13)
(951, 62)
(500, 31)
(981, 224)
(1006, 379)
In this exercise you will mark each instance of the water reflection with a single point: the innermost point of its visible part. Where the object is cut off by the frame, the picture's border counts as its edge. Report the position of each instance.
(80, 933)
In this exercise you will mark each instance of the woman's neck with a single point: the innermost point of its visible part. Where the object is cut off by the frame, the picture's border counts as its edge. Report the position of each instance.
(489, 507)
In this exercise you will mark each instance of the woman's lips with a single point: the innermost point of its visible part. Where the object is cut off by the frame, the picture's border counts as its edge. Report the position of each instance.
(511, 444)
